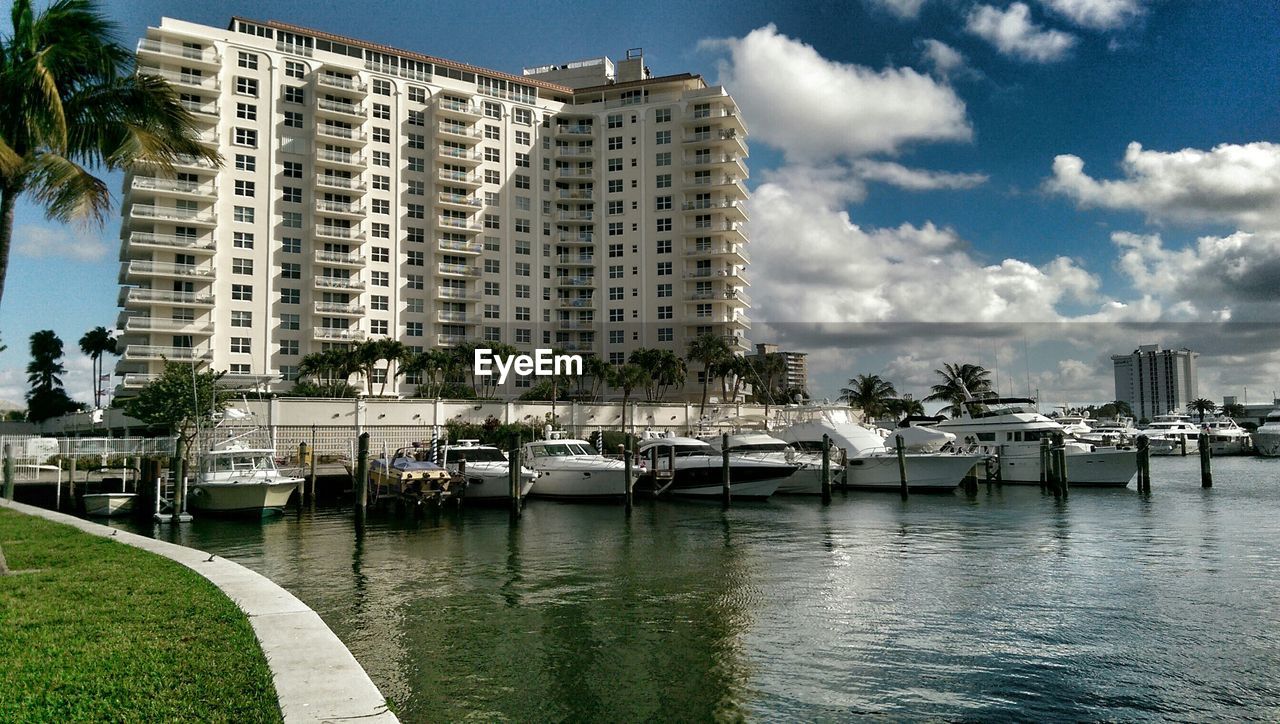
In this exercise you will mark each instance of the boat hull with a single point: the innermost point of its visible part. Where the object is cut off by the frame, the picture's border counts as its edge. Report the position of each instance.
(1098, 468)
(1238, 446)
(106, 505)
(1173, 446)
(747, 481)
(494, 487)
(243, 497)
(1267, 443)
(925, 472)
(573, 484)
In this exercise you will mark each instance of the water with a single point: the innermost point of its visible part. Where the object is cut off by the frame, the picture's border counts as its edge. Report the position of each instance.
(1010, 604)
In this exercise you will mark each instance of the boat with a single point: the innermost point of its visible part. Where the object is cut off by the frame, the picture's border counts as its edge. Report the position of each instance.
(1012, 429)
(697, 470)
(107, 504)
(1074, 425)
(1107, 433)
(806, 481)
(572, 469)
(235, 478)
(870, 462)
(409, 476)
(1169, 434)
(485, 469)
(1227, 438)
(1266, 439)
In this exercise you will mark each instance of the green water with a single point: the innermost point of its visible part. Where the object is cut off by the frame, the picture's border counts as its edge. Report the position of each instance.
(1007, 604)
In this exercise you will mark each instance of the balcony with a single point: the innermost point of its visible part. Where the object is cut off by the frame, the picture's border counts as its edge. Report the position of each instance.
(576, 239)
(463, 247)
(329, 181)
(172, 187)
(575, 324)
(577, 302)
(150, 212)
(468, 156)
(183, 161)
(185, 80)
(460, 177)
(459, 130)
(339, 258)
(575, 172)
(340, 309)
(346, 135)
(326, 107)
(169, 242)
(457, 294)
(458, 109)
(351, 85)
(727, 273)
(576, 216)
(205, 112)
(340, 208)
(576, 194)
(147, 352)
(581, 281)
(575, 152)
(460, 201)
(455, 224)
(458, 270)
(455, 317)
(709, 228)
(142, 268)
(323, 282)
(139, 295)
(708, 252)
(339, 158)
(137, 380)
(726, 161)
(573, 129)
(448, 340)
(149, 48)
(346, 233)
(576, 259)
(161, 324)
(330, 334)
(724, 117)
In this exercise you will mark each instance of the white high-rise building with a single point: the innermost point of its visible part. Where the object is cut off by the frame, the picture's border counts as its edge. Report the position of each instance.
(1156, 381)
(371, 193)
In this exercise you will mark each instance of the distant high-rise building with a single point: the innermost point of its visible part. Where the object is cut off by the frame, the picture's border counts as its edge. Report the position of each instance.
(797, 368)
(375, 193)
(1155, 381)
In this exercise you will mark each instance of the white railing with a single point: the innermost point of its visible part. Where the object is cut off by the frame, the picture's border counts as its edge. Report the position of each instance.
(576, 259)
(352, 109)
(171, 213)
(151, 183)
(452, 293)
(339, 257)
(337, 81)
(339, 207)
(160, 324)
(338, 333)
(338, 232)
(339, 308)
(456, 317)
(169, 297)
(169, 268)
(169, 240)
(204, 55)
(468, 247)
(177, 354)
(575, 130)
(465, 154)
(455, 129)
(449, 104)
(323, 282)
(353, 159)
(459, 269)
(452, 223)
(338, 182)
(459, 199)
(349, 134)
(207, 82)
(206, 109)
(459, 176)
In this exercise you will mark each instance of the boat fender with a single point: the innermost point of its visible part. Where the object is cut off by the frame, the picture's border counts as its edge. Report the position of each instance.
(1093, 448)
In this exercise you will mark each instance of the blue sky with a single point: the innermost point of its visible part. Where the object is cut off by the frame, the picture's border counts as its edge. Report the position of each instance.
(928, 161)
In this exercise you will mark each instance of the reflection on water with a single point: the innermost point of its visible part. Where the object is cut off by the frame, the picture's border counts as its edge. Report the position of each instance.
(1008, 603)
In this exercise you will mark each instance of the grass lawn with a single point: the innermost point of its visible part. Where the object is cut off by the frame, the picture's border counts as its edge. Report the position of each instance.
(96, 630)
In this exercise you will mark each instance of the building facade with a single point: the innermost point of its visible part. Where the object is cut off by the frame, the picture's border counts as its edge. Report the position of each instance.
(797, 366)
(1156, 381)
(373, 193)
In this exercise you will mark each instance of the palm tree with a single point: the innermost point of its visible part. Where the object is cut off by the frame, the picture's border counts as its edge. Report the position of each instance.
(1202, 406)
(95, 343)
(71, 100)
(627, 378)
(707, 350)
(431, 364)
(870, 393)
(1123, 409)
(668, 371)
(957, 380)
(45, 368)
(1235, 409)
(598, 370)
(766, 374)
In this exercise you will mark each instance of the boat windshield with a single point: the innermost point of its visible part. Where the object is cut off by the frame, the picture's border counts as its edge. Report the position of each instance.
(561, 449)
(477, 455)
(239, 463)
(999, 406)
(760, 447)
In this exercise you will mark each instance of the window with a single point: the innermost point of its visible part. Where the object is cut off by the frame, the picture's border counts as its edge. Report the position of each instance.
(615, 294)
(615, 272)
(492, 154)
(664, 224)
(240, 265)
(615, 207)
(381, 87)
(245, 137)
(522, 160)
(414, 306)
(381, 135)
(492, 311)
(662, 138)
(523, 116)
(615, 143)
(523, 336)
(294, 94)
(294, 69)
(292, 169)
(242, 292)
(616, 336)
(665, 334)
(522, 226)
(242, 239)
(291, 219)
(243, 214)
(615, 250)
(523, 138)
(290, 270)
(492, 177)
(416, 188)
(615, 315)
(415, 235)
(381, 158)
(664, 246)
(247, 111)
(380, 279)
(247, 60)
(291, 245)
(665, 312)
(379, 230)
(492, 221)
(415, 211)
(662, 115)
(492, 132)
(615, 164)
(522, 247)
(492, 289)
(522, 268)
(492, 266)
(245, 162)
(417, 118)
(415, 163)
(240, 345)
(415, 258)
(382, 111)
(241, 318)
(415, 281)
(290, 321)
(663, 181)
(378, 326)
(413, 329)
(417, 95)
(521, 181)
(380, 254)
(291, 194)
(523, 291)
(615, 228)
(290, 296)
(664, 290)
(417, 140)
(662, 203)
(615, 185)
(289, 347)
(662, 159)
(492, 110)
(615, 121)
(244, 188)
(380, 206)
(246, 86)
(379, 302)
(664, 268)
(380, 182)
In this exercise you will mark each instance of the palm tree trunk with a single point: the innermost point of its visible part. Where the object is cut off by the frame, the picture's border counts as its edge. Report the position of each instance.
(706, 378)
(8, 203)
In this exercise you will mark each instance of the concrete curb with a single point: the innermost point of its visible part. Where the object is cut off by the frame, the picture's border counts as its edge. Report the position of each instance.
(316, 677)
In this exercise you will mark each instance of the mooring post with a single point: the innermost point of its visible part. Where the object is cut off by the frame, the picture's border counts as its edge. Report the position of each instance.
(826, 469)
(8, 471)
(724, 468)
(1062, 464)
(626, 472)
(1144, 464)
(71, 482)
(1182, 441)
(902, 465)
(1044, 464)
(302, 466)
(1206, 467)
(311, 483)
(178, 469)
(362, 476)
(513, 476)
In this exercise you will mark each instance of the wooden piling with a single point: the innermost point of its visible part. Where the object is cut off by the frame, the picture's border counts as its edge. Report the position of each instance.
(1063, 479)
(826, 469)
(311, 482)
(626, 473)
(71, 483)
(362, 476)
(178, 469)
(902, 465)
(302, 467)
(724, 468)
(513, 477)
(1144, 464)
(1048, 467)
(8, 471)
(1182, 441)
(1206, 466)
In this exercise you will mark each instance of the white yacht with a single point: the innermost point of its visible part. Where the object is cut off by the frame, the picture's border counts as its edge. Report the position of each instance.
(1167, 433)
(1107, 433)
(1074, 425)
(697, 470)
(871, 463)
(805, 481)
(486, 469)
(1267, 437)
(569, 469)
(236, 478)
(1228, 438)
(1012, 429)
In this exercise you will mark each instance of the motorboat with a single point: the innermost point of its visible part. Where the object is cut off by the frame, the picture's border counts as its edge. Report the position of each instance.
(1170, 434)
(409, 476)
(871, 461)
(485, 469)
(105, 503)
(806, 481)
(572, 469)
(1012, 429)
(236, 478)
(1227, 438)
(1074, 425)
(697, 470)
(1266, 439)
(1107, 433)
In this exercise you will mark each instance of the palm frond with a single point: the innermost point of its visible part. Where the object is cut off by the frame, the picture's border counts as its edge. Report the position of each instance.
(68, 191)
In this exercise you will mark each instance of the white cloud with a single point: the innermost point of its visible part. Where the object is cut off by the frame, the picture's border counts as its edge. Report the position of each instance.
(1012, 33)
(944, 59)
(903, 9)
(815, 109)
(1097, 14)
(1234, 184)
(42, 242)
(913, 179)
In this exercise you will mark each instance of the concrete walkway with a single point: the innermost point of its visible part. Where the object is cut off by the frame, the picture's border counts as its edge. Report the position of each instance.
(316, 677)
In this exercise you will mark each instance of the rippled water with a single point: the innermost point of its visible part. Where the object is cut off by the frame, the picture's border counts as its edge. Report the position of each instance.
(1007, 604)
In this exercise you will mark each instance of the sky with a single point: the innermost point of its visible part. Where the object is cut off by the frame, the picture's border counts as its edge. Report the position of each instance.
(1032, 186)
